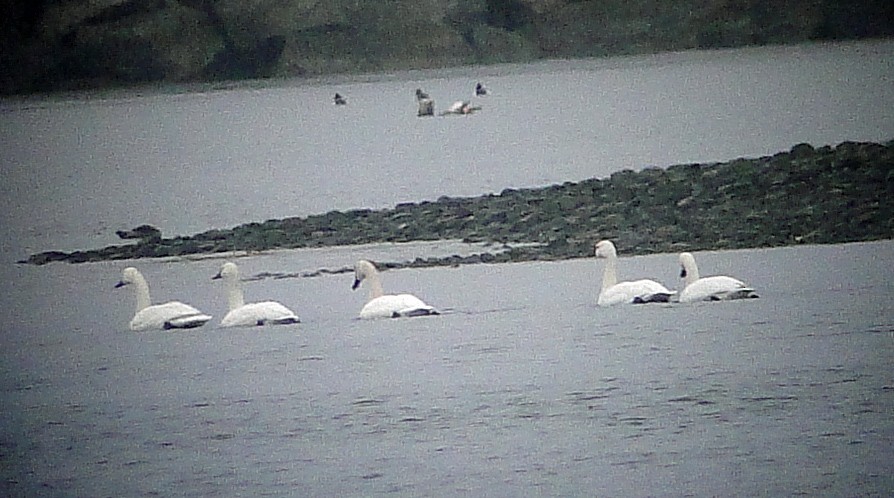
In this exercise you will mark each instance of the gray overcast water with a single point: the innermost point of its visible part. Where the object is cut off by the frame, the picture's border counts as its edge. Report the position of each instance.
(523, 386)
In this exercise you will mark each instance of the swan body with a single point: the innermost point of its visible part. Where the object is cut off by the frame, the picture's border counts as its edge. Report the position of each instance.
(633, 292)
(252, 314)
(381, 305)
(461, 107)
(171, 315)
(395, 306)
(717, 288)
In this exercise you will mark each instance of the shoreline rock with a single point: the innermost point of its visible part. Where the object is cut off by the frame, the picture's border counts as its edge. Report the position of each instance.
(810, 195)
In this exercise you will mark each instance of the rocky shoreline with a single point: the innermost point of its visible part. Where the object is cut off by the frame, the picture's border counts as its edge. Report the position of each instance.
(822, 195)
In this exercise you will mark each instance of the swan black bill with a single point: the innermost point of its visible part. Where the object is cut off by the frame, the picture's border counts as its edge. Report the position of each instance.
(356, 284)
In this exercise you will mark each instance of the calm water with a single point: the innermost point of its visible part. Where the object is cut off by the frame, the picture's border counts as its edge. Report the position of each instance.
(523, 386)
(75, 170)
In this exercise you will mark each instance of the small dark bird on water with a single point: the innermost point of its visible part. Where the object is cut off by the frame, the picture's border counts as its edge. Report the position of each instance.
(426, 104)
(339, 100)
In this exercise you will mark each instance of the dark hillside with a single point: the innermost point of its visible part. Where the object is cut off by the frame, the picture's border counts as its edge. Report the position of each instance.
(50, 45)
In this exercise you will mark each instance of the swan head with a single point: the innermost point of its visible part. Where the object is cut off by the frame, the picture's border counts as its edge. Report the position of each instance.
(228, 271)
(362, 270)
(605, 249)
(129, 276)
(420, 95)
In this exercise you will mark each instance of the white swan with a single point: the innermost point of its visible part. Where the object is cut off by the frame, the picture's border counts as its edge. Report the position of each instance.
(172, 315)
(381, 305)
(461, 107)
(614, 292)
(719, 288)
(252, 314)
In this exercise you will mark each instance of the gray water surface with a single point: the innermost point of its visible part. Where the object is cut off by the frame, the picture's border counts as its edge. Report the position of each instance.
(522, 387)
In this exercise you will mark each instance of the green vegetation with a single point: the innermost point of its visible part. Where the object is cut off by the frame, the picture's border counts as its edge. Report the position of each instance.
(807, 195)
(50, 45)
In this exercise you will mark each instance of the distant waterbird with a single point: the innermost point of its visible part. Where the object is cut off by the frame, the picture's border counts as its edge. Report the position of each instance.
(148, 316)
(381, 305)
(716, 288)
(426, 104)
(339, 99)
(461, 107)
(633, 292)
(241, 314)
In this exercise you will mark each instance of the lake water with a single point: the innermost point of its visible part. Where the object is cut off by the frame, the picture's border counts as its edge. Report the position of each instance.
(523, 386)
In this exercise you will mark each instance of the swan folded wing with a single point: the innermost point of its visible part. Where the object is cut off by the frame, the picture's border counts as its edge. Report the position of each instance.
(394, 306)
(657, 297)
(255, 314)
(424, 311)
(719, 288)
(639, 291)
(172, 315)
(187, 322)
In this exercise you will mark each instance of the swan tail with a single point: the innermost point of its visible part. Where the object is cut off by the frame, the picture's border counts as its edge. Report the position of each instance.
(286, 320)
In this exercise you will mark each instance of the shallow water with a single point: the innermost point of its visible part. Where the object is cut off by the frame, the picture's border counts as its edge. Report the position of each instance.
(523, 386)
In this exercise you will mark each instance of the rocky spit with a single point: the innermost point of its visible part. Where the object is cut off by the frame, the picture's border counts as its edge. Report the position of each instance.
(807, 195)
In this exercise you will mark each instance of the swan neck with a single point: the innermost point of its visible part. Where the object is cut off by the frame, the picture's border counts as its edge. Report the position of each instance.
(609, 274)
(691, 272)
(375, 285)
(141, 289)
(235, 297)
